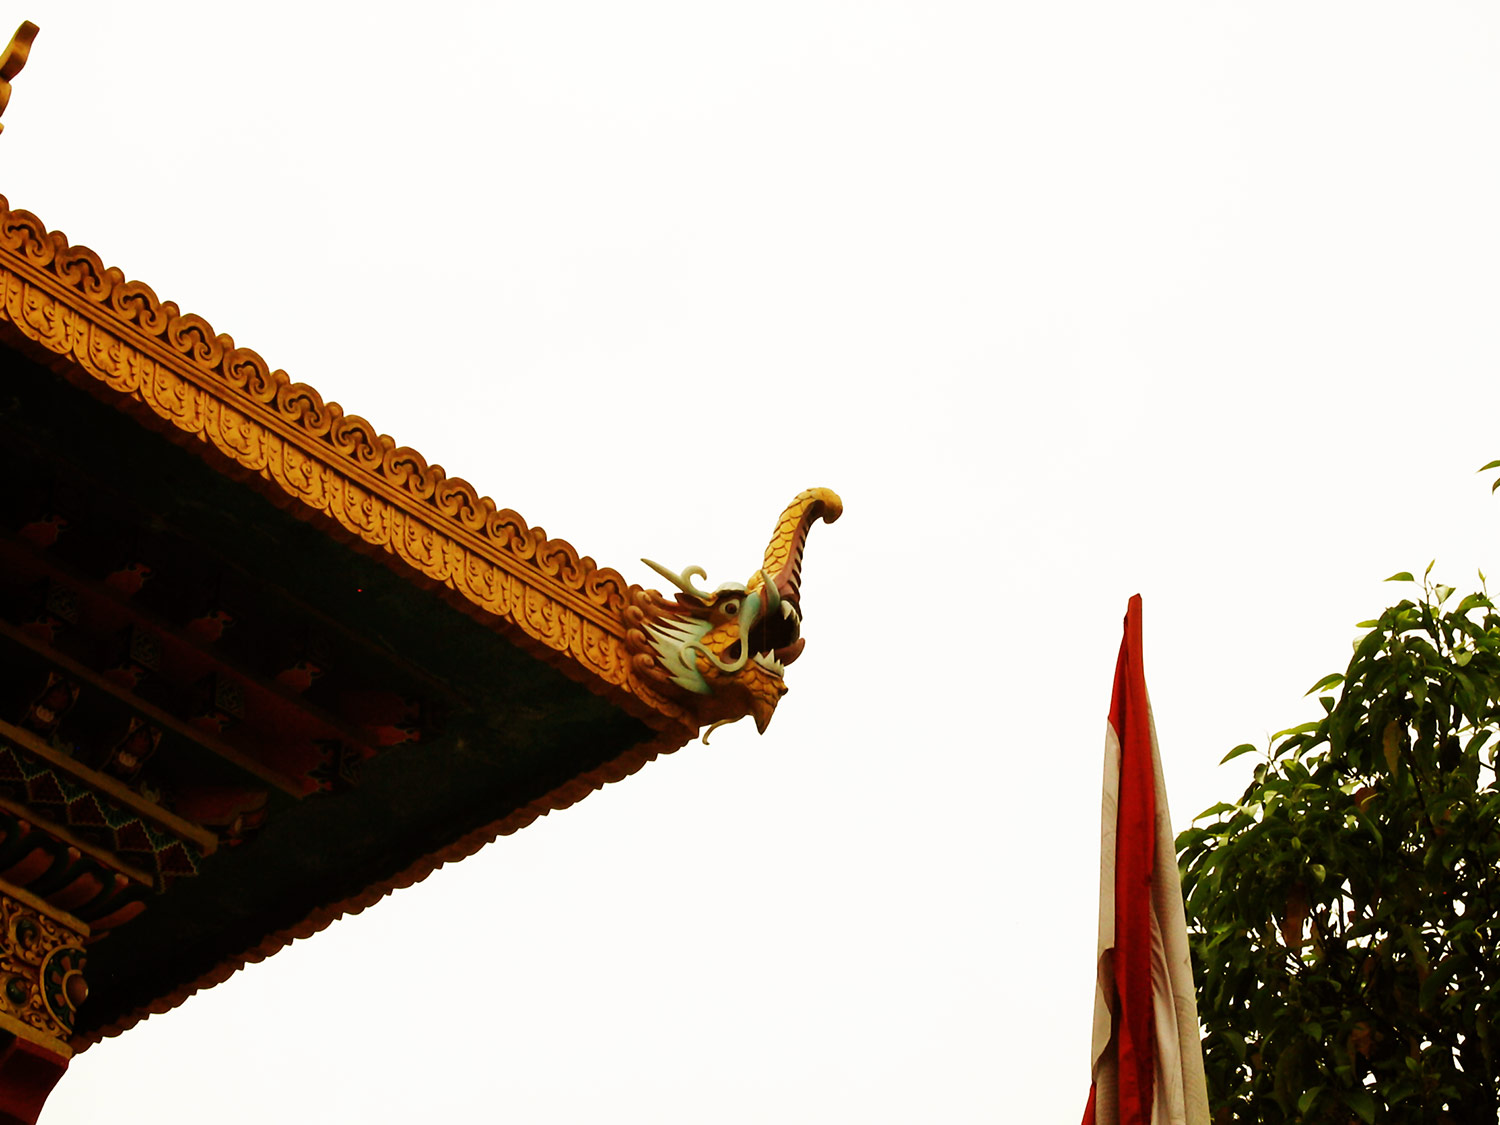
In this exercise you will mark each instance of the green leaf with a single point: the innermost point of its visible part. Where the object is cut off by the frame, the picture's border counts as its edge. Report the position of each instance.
(1242, 748)
(1491, 465)
(1402, 935)
(1436, 983)
(1235, 1040)
(1361, 1103)
(1325, 682)
(1467, 926)
(1305, 1102)
(1301, 728)
(1369, 826)
(1400, 576)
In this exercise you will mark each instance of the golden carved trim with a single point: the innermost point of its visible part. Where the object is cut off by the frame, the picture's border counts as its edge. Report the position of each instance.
(119, 336)
(41, 950)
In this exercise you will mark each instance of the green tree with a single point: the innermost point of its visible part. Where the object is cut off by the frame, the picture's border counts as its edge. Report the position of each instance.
(1345, 913)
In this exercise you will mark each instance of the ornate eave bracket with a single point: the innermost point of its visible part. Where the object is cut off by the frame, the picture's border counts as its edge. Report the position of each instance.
(41, 988)
(41, 970)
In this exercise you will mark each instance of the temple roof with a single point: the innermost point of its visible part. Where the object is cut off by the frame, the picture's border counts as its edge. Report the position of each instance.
(267, 664)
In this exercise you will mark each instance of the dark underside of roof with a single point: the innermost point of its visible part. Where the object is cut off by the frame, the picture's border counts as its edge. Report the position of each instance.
(477, 728)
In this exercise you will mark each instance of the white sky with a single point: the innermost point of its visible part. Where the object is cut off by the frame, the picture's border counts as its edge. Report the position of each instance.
(1069, 301)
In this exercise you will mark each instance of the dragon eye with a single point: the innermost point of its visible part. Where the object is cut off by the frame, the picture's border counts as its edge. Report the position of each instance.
(731, 608)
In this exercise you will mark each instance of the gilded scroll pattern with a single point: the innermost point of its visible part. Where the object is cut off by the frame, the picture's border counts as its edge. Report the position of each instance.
(41, 969)
(227, 397)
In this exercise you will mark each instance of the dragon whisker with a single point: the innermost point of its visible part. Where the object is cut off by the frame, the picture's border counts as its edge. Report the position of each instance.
(715, 726)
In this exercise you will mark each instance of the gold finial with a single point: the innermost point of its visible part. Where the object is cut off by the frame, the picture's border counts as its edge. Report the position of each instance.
(14, 59)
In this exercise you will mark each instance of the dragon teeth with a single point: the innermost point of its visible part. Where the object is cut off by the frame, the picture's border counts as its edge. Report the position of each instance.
(770, 663)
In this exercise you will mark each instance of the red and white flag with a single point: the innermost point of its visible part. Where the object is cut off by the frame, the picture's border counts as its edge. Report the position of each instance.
(1147, 1058)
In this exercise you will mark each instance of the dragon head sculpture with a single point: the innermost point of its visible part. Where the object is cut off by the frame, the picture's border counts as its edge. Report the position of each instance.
(721, 653)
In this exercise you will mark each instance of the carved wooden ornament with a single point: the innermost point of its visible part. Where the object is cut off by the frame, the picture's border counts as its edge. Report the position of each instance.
(723, 653)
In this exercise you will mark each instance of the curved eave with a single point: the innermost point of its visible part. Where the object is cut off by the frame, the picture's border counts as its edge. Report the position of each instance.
(174, 374)
(560, 798)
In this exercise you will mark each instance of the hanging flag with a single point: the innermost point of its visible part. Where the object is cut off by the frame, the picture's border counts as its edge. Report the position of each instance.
(1147, 1058)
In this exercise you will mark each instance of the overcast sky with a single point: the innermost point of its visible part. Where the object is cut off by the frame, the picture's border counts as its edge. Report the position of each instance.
(1069, 301)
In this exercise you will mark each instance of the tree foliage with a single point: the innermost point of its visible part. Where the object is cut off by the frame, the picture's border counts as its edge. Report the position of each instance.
(1345, 913)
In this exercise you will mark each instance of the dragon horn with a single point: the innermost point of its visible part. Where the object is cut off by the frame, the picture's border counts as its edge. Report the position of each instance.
(684, 581)
(783, 562)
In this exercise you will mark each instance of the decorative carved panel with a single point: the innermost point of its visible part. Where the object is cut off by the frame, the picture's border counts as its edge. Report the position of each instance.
(41, 969)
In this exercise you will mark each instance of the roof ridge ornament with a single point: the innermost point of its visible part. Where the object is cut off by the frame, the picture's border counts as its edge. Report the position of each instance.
(14, 58)
(722, 654)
